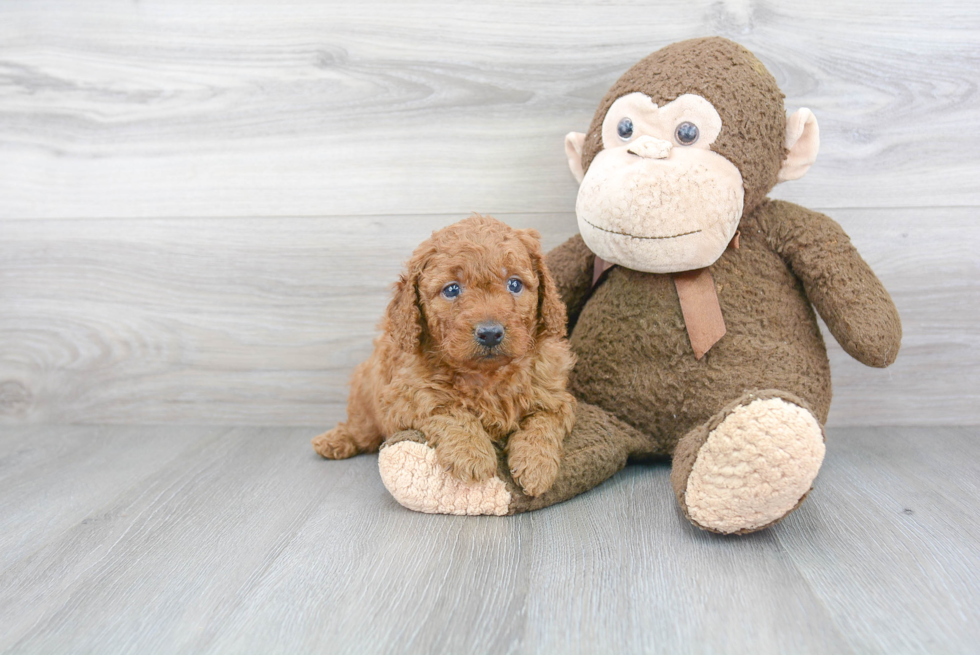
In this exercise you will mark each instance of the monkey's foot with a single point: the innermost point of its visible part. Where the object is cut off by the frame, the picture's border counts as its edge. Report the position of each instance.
(750, 466)
(415, 479)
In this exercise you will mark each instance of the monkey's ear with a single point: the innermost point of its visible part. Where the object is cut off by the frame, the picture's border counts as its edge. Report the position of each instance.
(802, 142)
(574, 141)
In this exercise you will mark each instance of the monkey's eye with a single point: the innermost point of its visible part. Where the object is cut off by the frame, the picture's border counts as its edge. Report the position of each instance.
(514, 285)
(686, 133)
(625, 129)
(450, 291)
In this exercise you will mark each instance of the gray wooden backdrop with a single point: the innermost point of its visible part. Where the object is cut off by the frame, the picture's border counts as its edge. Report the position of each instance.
(202, 204)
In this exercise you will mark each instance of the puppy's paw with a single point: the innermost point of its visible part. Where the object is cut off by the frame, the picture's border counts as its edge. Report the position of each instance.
(534, 465)
(469, 460)
(335, 444)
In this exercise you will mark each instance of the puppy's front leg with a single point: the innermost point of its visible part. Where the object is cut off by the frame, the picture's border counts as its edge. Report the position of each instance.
(534, 451)
(462, 446)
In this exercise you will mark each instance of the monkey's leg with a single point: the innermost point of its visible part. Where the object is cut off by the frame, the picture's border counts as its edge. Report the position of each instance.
(596, 449)
(750, 465)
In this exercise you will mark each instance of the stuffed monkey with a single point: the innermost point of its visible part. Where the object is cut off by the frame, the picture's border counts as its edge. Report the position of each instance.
(690, 298)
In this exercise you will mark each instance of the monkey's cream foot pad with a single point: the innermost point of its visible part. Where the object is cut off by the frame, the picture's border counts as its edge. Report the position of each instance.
(415, 479)
(755, 467)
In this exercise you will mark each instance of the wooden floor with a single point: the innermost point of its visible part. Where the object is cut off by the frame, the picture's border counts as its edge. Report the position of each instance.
(182, 539)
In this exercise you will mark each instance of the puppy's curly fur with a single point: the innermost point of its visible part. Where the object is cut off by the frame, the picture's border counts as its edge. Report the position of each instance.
(430, 370)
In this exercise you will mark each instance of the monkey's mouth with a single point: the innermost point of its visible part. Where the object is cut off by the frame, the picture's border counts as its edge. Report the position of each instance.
(635, 236)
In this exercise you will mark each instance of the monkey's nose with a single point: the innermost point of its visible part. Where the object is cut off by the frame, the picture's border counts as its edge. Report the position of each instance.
(650, 148)
(489, 334)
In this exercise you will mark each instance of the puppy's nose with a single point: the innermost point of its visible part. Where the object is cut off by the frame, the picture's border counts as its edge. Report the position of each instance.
(489, 334)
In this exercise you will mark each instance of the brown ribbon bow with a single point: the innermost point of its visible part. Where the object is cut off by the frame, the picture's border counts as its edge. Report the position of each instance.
(699, 303)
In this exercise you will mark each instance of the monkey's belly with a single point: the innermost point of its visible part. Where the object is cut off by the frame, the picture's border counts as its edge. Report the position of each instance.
(635, 359)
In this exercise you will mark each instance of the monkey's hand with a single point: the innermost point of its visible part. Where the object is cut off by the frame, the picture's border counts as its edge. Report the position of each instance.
(839, 283)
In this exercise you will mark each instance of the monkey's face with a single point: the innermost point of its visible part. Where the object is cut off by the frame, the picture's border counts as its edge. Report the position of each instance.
(656, 198)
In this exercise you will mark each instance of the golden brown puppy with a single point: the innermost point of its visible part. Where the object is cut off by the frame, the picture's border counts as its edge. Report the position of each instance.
(471, 354)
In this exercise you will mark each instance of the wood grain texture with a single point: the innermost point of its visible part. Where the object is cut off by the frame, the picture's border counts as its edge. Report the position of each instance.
(260, 321)
(204, 202)
(173, 550)
(192, 109)
(244, 540)
(914, 551)
(202, 205)
(62, 474)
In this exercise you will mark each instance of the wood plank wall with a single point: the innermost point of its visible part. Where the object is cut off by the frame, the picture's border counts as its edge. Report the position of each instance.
(202, 204)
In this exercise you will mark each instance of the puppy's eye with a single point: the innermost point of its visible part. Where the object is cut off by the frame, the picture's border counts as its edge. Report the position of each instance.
(686, 133)
(451, 290)
(625, 129)
(514, 285)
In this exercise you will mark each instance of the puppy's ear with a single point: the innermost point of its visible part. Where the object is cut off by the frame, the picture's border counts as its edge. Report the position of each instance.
(403, 317)
(551, 309)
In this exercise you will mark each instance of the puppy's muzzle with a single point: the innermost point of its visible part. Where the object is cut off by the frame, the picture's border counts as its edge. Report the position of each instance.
(489, 334)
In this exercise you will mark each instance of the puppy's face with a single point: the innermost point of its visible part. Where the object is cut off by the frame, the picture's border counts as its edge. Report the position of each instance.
(480, 300)
(477, 293)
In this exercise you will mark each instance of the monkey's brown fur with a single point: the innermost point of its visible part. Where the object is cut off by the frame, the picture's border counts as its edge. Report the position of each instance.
(641, 391)
(790, 260)
(428, 373)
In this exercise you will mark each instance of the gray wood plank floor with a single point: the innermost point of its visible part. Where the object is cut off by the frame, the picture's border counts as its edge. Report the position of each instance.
(215, 540)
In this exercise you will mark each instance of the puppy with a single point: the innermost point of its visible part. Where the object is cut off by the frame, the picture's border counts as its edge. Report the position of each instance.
(471, 354)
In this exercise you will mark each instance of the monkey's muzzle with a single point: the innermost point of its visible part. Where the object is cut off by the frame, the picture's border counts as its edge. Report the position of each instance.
(650, 147)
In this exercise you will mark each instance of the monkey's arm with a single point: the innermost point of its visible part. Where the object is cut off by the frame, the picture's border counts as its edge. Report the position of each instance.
(842, 287)
(571, 266)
